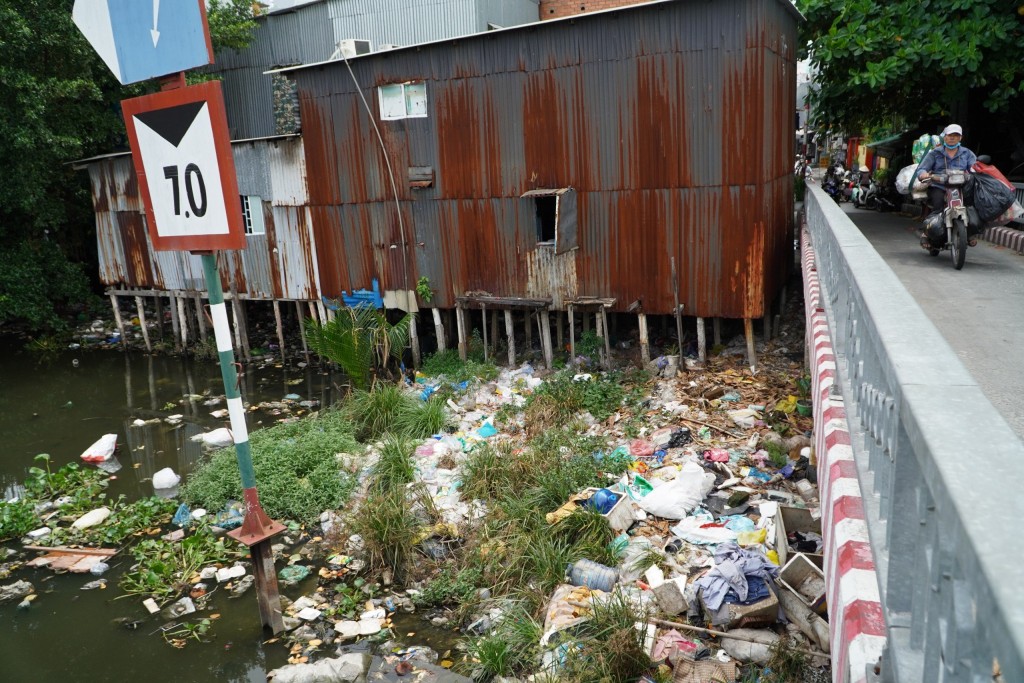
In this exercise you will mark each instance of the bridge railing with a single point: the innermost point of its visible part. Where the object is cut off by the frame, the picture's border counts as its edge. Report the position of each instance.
(942, 472)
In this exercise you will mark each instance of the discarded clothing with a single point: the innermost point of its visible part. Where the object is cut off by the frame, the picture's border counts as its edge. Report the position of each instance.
(734, 568)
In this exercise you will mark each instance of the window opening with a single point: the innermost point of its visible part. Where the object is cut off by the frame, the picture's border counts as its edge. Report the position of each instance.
(252, 215)
(403, 100)
(547, 213)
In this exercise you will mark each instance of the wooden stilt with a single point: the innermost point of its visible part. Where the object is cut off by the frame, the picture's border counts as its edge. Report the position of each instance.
(529, 331)
(183, 319)
(607, 337)
(572, 338)
(494, 332)
(560, 331)
(767, 321)
(545, 338)
(702, 340)
(313, 312)
(142, 323)
(175, 322)
(159, 301)
(245, 329)
(414, 341)
(645, 343)
(460, 325)
(716, 326)
(677, 311)
(325, 314)
(280, 328)
(200, 317)
(117, 319)
(302, 330)
(483, 324)
(599, 331)
(748, 330)
(511, 332)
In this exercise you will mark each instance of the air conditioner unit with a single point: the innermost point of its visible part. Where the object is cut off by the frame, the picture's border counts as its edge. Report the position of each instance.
(351, 47)
(387, 46)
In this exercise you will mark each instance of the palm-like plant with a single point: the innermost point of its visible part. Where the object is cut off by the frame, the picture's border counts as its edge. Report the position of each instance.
(360, 340)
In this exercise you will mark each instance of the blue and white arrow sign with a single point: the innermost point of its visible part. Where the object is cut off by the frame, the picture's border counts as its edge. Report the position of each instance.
(143, 39)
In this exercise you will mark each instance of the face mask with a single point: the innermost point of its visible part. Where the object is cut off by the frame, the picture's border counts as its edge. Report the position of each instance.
(949, 146)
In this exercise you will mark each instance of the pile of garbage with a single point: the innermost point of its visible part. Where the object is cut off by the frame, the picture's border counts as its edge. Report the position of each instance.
(716, 522)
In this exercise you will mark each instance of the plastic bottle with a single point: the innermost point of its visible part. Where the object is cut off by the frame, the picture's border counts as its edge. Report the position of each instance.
(592, 575)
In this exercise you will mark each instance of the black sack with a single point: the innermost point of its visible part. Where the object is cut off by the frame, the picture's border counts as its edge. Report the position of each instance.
(991, 198)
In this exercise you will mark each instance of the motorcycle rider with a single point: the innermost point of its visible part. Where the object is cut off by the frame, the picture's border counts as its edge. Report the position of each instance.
(951, 156)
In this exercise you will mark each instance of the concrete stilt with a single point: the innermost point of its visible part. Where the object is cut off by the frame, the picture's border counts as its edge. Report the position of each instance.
(748, 331)
(645, 344)
(545, 338)
(702, 340)
(280, 328)
(183, 319)
(572, 338)
(117, 319)
(460, 325)
(142, 323)
(439, 330)
(414, 341)
(511, 332)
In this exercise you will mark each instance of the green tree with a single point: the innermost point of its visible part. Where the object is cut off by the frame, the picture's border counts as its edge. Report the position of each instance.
(59, 103)
(877, 61)
(360, 340)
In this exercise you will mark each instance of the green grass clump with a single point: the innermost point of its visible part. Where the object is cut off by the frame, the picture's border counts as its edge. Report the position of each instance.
(601, 396)
(296, 470)
(450, 586)
(394, 468)
(387, 409)
(389, 527)
(449, 365)
(513, 648)
(608, 646)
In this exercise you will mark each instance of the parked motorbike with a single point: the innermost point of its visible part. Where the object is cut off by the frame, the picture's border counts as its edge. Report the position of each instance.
(874, 197)
(948, 229)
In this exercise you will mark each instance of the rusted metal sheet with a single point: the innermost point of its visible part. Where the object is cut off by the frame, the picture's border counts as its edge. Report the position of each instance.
(272, 169)
(671, 121)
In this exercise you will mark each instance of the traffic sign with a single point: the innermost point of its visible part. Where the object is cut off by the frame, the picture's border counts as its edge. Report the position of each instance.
(143, 39)
(182, 156)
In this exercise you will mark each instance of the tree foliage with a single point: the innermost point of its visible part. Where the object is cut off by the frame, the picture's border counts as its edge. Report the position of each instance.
(880, 60)
(360, 340)
(59, 103)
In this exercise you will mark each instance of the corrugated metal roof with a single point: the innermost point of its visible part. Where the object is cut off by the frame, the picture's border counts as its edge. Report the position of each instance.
(670, 120)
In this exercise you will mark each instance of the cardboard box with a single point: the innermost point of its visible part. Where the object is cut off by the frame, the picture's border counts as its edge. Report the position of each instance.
(807, 582)
(620, 517)
(790, 519)
(761, 613)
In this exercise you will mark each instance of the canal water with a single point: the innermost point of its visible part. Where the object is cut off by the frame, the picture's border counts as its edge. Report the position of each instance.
(60, 405)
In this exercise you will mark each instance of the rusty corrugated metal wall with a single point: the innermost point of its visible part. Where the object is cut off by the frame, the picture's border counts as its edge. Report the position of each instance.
(277, 265)
(671, 121)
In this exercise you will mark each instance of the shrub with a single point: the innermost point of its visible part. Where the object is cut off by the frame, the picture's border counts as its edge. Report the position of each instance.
(296, 470)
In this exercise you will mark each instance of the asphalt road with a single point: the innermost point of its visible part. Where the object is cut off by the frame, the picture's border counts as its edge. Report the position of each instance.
(979, 310)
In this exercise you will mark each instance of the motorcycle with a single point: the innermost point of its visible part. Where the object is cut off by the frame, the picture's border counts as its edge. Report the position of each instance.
(833, 184)
(874, 197)
(951, 225)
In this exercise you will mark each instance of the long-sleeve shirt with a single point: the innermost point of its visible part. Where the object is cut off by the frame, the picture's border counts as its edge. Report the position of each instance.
(937, 161)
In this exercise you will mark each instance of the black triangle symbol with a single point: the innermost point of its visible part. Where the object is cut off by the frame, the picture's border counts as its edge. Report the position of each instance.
(173, 122)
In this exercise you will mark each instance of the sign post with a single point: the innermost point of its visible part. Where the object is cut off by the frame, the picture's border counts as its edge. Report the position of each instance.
(182, 155)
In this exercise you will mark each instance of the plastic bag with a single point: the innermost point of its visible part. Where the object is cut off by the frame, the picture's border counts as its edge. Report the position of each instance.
(989, 196)
(676, 498)
(1014, 213)
(904, 177)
